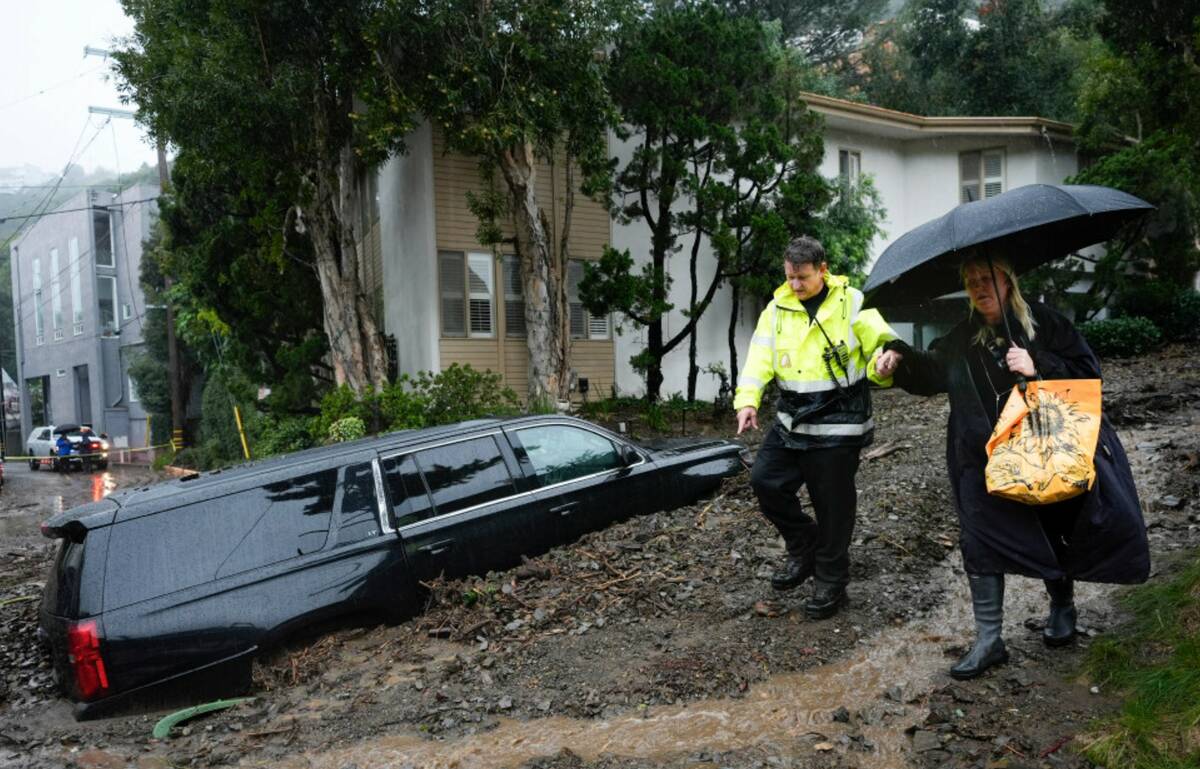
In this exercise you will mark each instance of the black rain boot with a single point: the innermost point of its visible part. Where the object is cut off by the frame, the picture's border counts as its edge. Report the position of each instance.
(987, 599)
(1060, 625)
(794, 571)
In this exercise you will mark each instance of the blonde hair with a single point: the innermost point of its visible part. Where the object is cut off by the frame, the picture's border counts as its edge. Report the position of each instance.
(1018, 308)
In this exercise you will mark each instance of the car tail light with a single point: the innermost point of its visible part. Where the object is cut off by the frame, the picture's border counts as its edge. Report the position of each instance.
(83, 651)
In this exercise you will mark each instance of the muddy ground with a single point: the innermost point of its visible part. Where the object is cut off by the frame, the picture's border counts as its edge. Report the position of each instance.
(659, 642)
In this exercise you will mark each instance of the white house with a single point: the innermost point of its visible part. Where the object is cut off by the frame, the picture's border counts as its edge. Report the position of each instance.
(445, 301)
(921, 166)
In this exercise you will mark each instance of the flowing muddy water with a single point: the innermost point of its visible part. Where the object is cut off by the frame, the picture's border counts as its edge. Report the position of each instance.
(883, 684)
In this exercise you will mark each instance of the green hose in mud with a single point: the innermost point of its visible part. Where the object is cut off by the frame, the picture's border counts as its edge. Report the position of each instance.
(163, 727)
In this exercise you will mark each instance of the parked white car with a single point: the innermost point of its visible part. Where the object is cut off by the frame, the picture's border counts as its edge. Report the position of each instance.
(43, 442)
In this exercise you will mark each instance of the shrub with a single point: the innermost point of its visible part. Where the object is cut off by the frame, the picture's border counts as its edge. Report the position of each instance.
(347, 429)
(401, 407)
(339, 403)
(1174, 309)
(1121, 336)
(281, 435)
(461, 392)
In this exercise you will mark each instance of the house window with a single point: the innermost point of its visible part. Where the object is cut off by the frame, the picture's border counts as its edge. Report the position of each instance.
(133, 393)
(514, 298)
(76, 287)
(481, 285)
(980, 175)
(849, 165)
(106, 299)
(39, 321)
(126, 311)
(467, 287)
(56, 308)
(102, 231)
(584, 325)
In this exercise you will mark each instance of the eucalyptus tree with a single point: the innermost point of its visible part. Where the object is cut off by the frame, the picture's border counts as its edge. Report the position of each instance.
(270, 100)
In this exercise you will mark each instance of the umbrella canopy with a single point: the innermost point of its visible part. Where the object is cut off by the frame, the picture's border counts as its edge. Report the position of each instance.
(68, 428)
(1028, 226)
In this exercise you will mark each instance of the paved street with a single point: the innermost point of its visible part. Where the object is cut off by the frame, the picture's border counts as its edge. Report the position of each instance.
(30, 497)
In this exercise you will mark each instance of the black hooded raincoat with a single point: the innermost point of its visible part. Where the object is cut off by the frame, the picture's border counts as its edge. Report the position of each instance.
(1108, 543)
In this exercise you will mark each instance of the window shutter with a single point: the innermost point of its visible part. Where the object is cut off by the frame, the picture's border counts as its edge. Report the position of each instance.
(993, 173)
(514, 298)
(450, 275)
(597, 326)
(480, 284)
(578, 319)
(968, 177)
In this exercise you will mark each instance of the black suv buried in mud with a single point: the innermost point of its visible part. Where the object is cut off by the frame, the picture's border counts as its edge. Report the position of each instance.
(172, 588)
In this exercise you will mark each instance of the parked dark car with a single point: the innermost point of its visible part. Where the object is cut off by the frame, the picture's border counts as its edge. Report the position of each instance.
(174, 587)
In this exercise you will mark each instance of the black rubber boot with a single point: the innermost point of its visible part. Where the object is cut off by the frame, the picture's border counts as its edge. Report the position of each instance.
(987, 599)
(1060, 625)
(793, 572)
(826, 600)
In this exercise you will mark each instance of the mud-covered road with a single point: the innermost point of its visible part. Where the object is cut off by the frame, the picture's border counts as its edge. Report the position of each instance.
(659, 641)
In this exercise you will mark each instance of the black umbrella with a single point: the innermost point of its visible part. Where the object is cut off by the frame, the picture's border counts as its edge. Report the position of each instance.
(1029, 226)
(66, 429)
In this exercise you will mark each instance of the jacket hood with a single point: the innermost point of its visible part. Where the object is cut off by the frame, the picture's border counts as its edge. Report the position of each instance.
(785, 297)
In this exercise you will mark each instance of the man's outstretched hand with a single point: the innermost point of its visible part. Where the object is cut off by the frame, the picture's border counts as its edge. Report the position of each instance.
(747, 416)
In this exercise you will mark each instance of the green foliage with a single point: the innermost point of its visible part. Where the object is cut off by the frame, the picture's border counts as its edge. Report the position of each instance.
(271, 435)
(1153, 662)
(1174, 310)
(962, 57)
(720, 138)
(460, 392)
(262, 102)
(219, 443)
(822, 30)
(348, 429)
(1121, 337)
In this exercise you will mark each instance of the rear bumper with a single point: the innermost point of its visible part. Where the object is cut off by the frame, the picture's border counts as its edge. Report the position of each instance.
(222, 678)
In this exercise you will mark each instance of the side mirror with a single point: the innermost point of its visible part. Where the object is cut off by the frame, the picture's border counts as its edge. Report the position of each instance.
(629, 455)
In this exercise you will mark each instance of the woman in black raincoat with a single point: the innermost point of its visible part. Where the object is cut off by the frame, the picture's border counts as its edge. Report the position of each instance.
(1099, 536)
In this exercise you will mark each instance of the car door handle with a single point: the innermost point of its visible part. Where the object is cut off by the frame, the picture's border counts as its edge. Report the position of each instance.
(437, 548)
(565, 510)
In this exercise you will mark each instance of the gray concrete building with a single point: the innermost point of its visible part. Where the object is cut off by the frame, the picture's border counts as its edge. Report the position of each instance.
(79, 313)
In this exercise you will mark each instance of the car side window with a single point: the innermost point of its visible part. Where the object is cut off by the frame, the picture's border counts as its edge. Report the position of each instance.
(560, 453)
(410, 499)
(358, 516)
(291, 518)
(44, 435)
(465, 474)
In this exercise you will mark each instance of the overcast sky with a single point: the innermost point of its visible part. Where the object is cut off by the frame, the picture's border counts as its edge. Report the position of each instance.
(46, 87)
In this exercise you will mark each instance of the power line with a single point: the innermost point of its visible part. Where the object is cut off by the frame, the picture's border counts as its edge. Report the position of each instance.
(48, 88)
(76, 210)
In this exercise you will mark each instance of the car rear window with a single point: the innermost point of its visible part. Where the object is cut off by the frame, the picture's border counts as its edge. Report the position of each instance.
(465, 474)
(62, 585)
(189, 545)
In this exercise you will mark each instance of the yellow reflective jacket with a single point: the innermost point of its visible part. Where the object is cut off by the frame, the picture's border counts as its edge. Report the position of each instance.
(821, 368)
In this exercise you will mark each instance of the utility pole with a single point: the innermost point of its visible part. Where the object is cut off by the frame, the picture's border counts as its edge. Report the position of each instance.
(174, 376)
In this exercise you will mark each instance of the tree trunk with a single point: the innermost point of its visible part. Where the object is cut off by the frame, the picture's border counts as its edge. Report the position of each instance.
(540, 281)
(693, 369)
(734, 305)
(355, 344)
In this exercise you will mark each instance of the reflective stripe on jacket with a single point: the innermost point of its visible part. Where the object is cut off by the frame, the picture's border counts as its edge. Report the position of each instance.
(787, 347)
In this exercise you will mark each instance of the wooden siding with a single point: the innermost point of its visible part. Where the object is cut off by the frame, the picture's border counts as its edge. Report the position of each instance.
(455, 228)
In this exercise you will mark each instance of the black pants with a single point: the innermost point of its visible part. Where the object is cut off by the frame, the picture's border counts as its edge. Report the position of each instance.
(778, 474)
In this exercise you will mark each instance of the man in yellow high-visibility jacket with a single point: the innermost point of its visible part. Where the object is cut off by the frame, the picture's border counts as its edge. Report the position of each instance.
(819, 345)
